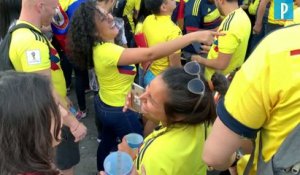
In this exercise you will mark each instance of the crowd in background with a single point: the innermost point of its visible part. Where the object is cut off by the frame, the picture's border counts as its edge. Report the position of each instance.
(214, 72)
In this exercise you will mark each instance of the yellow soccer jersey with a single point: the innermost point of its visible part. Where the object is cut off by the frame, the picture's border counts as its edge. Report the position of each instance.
(29, 52)
(253, 5)
(129, 8)
(265, 92)
(175, 151)
(159, 29)
(237, 28)
(114, 81)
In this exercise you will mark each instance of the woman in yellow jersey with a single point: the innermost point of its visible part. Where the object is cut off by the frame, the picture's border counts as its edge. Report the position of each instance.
(185, 108)
(91, 44)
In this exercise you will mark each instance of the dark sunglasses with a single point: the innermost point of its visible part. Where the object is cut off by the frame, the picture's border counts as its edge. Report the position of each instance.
(196, 85)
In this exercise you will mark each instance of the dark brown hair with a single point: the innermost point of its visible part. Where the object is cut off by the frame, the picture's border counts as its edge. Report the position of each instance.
(27, 109)
(181, 101)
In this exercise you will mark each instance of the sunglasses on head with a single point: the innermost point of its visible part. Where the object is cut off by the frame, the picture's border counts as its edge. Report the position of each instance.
(196, 85)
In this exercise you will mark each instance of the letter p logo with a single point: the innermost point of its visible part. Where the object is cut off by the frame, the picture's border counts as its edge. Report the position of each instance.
(283, 9)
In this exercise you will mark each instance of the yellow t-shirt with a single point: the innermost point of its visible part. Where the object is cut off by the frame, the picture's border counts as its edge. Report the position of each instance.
(159, 29)
(265, 92)
(237, 29)
(130, 7)
(253, 7)
(114, 81)
(29, 52)
(177, 151)
(296, 19)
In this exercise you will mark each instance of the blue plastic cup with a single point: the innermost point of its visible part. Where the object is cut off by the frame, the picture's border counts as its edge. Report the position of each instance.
(134, 140)
(118, 163)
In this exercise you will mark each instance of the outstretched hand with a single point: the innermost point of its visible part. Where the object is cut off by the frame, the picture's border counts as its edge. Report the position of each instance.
(207, 36)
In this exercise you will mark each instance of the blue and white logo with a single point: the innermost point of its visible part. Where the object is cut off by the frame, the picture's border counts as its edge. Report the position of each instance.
(283, 9)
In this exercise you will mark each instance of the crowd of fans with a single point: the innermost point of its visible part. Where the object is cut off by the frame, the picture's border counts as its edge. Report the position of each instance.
(221, 79)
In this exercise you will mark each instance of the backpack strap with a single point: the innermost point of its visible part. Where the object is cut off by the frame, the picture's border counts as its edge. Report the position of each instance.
(251, 159)
(36, 32)
(38, 35)
(286, 160)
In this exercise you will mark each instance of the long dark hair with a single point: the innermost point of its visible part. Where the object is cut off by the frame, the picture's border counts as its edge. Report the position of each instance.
(82, 34)
(181, 101)
(27, 109)
(9, 11)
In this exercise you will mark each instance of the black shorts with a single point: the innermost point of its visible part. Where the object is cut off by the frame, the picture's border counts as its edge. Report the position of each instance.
(67, 152)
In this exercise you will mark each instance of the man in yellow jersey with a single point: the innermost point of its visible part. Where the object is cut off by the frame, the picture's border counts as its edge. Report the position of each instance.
(260, 98)
(30, 51)
(159, 28)
(228, 52)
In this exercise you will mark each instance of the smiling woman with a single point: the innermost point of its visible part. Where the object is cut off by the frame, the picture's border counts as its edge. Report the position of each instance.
(184, 112)
(30, 124)
(91, 44)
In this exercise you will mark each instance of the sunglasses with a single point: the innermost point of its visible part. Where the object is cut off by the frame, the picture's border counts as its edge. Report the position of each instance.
(196, 85)
(104, 16)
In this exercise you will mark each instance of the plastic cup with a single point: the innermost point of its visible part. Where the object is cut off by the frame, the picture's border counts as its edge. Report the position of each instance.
(118, 163)
(134, 140)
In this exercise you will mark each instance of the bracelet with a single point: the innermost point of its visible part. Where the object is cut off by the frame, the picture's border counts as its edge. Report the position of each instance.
(76, 127)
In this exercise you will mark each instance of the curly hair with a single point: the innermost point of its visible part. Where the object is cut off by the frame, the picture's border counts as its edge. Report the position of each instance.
(181, 101)
(27, 109)
(81, 36)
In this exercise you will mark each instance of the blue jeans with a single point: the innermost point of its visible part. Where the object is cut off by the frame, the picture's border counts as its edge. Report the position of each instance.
(116, 124)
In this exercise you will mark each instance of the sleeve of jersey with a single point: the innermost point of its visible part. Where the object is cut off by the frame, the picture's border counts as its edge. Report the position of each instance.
(175, 33)
(35, 56)
(112, 53)
(247, 103)
(228, 43)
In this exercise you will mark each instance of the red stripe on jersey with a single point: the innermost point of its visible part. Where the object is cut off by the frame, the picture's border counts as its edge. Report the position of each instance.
(191, 29)
(181, 10)
(295, 52)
